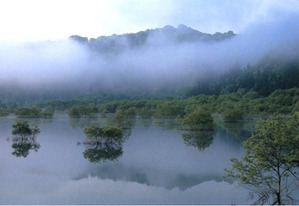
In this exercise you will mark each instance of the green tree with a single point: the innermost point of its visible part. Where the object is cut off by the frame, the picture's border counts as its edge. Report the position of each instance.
(270, 162)
(22, 129)
(121, 120)
(200, 119)
(74, 111)
(232, 115)
(28, 112)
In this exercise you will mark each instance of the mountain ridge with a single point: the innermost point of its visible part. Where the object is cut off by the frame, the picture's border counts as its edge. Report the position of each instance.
(118, 43)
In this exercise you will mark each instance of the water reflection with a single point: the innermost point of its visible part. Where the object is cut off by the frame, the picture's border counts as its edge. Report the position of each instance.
(81, 122)
(37, 121)
(23, 145)
(235, 128)
(152, 156)
(102, 153)
(165, 124)
(198, 139)
(145, 122)
(150, 177)
(234, 135)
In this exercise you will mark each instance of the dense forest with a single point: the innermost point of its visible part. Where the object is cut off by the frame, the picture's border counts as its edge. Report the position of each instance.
(267, 75)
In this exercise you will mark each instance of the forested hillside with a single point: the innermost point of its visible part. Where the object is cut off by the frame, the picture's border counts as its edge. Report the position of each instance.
(267, 75)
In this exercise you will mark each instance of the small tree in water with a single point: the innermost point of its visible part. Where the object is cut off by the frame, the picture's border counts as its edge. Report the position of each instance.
(200, 119)
(269, 166)
(24, 138)
(23, 130)
(102, 143)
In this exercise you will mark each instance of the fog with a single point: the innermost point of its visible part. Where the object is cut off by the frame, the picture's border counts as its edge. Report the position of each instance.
(160, 65)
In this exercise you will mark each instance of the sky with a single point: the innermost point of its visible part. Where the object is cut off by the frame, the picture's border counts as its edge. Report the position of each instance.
(36, 20)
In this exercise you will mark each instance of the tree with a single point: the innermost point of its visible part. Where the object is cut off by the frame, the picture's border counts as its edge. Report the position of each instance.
(271, 159)
(74, 111)
(34, 112)
(232, 114)
(121, 120)
(23, 130)
(28, 112)
(200, 119)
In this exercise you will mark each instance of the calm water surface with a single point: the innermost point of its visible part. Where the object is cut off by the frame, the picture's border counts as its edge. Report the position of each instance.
(156, 164)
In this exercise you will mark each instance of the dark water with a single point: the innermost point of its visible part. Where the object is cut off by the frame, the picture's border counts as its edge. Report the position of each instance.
(155, 164)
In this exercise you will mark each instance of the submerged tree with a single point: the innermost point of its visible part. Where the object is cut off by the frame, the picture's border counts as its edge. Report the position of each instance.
(121, 120)
(232, 114)
(269, 166)
(102, 143)
(24, 138)
(200, 119)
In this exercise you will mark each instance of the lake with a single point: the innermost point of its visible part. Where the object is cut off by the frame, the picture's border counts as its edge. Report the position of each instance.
(155, 164)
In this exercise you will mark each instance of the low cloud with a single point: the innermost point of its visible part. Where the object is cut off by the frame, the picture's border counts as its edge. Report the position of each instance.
(159, 65)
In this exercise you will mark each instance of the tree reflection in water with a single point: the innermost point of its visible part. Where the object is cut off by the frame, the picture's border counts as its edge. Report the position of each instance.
(22, 145)
(98, 154)
(103, 143)
(198, 139)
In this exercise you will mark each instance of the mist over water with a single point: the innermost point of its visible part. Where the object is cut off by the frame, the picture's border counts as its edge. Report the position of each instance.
(156, 167)
(160, 65)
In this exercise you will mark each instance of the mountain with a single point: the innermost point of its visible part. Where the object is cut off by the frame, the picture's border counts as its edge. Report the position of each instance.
(168, 34)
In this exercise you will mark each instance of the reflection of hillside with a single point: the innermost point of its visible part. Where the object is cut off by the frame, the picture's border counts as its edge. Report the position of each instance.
(150, 178)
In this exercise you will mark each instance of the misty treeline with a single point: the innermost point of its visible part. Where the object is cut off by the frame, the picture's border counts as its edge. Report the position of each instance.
(233, 107)
(235, 104)
(268, 87)
(250, 68)
(267, 75)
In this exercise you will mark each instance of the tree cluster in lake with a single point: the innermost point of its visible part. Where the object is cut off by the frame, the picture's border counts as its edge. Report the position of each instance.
(102, 143)
(34, 112)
